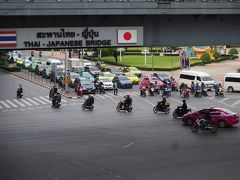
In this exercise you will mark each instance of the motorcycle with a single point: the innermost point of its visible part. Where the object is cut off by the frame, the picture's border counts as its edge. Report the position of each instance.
(204, 92)
(87, 107)
(178, 112)
(56, 101)
(199, 124)
(198, 93)
(160, 108)
(151, 91)
(219, 93)
(143, 92)
(167, 92)
(19, 95)
(185, 93)
(121, 107)
(174, 87)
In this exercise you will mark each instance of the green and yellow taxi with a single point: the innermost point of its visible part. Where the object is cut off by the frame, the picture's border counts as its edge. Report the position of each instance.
(135, 71)
(34, 64)
(132, 77)
(19, 61)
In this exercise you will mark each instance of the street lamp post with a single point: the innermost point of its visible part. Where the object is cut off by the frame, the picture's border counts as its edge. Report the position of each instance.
(152, 61)
(66, 83)
(145, 57)
(120, 51)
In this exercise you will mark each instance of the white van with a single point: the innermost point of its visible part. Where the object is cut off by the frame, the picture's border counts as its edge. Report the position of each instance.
(187, 77)
(232, 82)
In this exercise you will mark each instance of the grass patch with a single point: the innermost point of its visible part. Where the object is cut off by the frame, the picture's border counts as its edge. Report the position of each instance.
(158, 61)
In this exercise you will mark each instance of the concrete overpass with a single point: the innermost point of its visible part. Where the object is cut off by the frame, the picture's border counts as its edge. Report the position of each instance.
(179, 22)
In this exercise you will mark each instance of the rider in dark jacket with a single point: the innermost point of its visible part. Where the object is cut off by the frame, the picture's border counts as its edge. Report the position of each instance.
(184, 107)
(89, 101)
(128, 101)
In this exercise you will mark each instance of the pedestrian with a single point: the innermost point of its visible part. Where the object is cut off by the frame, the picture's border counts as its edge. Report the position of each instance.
(115, 89)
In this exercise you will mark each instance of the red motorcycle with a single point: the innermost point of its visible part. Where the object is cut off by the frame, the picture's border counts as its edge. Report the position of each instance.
(174, 86)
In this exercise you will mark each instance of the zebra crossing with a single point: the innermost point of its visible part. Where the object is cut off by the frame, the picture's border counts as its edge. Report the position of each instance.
(26, 102)
(230, 101)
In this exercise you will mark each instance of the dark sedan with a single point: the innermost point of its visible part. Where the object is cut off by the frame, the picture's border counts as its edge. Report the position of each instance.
(122, 82)
(88, 87)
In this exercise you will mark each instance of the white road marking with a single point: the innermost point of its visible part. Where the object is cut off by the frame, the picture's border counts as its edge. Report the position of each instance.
(5, 104)
(39, 100)
(98, 95)
(26, 102)
(107, 96)
(224, 99)
(144, 99)
(45, 99)
(11, 103)
(1, 107)
(63, 100)
(181, 103)
(19, 103)
(32, 101)
(234, 104)
(128, 145)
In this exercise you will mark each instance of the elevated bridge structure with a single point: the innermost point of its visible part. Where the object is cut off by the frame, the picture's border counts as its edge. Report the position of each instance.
(164, 22)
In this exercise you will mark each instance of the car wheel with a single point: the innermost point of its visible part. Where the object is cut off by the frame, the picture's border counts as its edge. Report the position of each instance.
(189, 121)
(222, 124)
(230, 89)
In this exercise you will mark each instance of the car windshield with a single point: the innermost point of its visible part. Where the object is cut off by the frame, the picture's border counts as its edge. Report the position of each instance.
(85, 61)
(115, 69)
(93, 68)
(105, 80)
(122, 78)
(206, 78)
(108, 75)
(85, 82)
(35, 60)
(78, 69)
(130, 75)
(228, 111)
(74, 76)
(59, 73)
(133, 69)
(154, 79)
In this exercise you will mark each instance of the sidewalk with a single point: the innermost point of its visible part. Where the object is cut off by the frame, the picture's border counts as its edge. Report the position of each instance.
(43, 83)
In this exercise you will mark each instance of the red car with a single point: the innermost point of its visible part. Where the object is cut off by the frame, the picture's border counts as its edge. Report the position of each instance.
(223, 117)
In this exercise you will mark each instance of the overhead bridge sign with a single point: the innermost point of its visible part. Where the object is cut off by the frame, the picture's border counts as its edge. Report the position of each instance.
(70, 37)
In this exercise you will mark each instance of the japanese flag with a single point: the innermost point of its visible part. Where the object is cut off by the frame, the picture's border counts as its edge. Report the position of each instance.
(127, 36)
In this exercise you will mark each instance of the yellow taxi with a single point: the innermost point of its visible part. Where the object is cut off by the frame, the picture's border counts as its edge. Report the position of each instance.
(132, 77)
(108, 75)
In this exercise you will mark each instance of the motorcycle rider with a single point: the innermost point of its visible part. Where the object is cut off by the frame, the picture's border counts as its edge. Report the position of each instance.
(89, 101)
(127, 101)
(203, 86)
(193, 87)
(19, 90)
(162, 104)
(184, 107)
(207, 120)
(53, 91)
(197, 88)
(181, 88)
(56, 98)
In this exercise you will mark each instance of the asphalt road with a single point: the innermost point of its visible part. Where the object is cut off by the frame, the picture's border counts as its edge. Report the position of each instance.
(38, 142)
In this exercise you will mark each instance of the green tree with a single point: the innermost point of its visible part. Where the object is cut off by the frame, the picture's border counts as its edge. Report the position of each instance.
(233, 51)
(205, 58)
(216, 54)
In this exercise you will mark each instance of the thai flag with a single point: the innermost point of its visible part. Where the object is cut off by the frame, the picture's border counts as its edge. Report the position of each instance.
(8, 38)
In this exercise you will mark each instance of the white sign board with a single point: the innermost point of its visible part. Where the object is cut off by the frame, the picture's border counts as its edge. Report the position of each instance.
(70, 37)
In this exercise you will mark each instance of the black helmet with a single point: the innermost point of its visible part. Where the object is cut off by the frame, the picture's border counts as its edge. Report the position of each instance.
(184, 101)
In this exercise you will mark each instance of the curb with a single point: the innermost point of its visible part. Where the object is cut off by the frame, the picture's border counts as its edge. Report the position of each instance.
(39, 84)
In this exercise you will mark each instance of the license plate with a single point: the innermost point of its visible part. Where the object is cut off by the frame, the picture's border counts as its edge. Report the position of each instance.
(89, 90)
